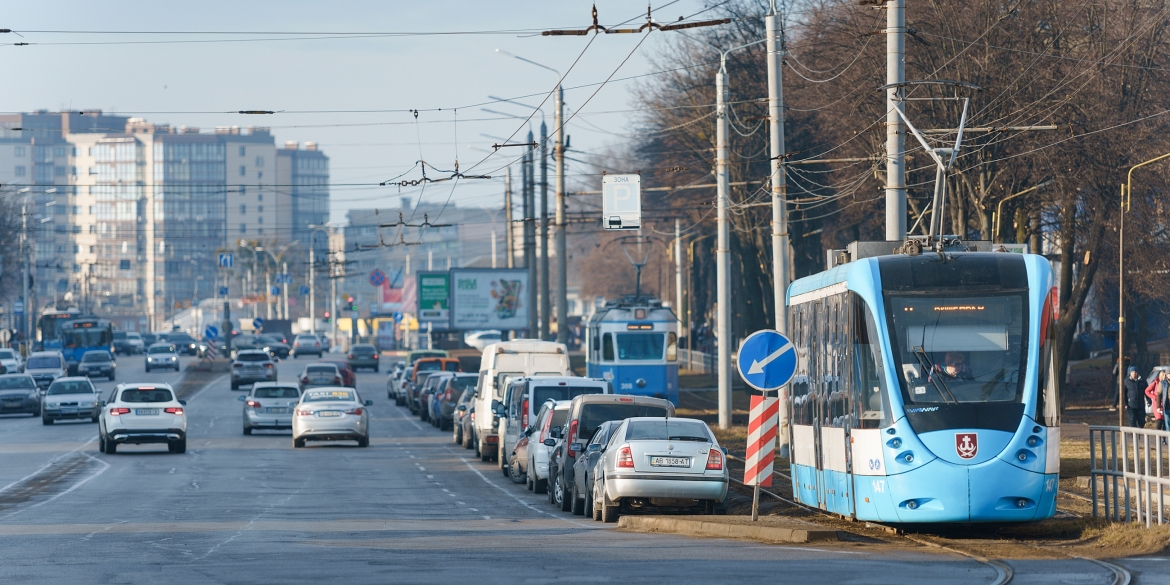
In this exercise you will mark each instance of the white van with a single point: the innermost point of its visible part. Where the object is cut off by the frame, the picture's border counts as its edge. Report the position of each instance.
(523, 399)
(501, 362)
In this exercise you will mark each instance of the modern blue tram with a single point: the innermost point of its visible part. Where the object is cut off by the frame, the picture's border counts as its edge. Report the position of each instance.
(924, 389)
(633, 343)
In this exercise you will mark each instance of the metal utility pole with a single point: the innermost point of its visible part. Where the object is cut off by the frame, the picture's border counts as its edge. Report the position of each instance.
(678, 295)
(562, 253)
(25, 319)
(544, 300)
(267, 294)
(284, 289)
(312, 287)
(895, 131)
(780, 257)
(332, 302)
(530, 238)
(509, 233)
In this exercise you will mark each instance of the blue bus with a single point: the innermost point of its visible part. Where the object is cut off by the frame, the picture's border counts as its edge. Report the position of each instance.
(924, 390)
(85, 334)
(49, 327)
(633, 343)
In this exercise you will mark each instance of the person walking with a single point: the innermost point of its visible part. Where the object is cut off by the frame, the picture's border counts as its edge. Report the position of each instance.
(1156, 393)
(1135, 399)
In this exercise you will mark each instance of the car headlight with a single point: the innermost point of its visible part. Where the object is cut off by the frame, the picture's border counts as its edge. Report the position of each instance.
(174, 357)
(267, 349)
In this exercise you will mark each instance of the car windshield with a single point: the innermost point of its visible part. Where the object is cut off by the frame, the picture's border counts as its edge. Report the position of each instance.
(429, 366)
(321, 370)
(328, 396)
(44, 362)
(70, 387)
(451, 366)
(146, 395)
(180, 338)
(162, 349)
(267, 339)
(251, 357)
(956, 349)
(559, 418)
(592, 415)
(133, 336)
(16, 382)
(465, 382)
(119, 335)
(96, 356)
(542, 394)
(306, 339)
(7, 354)
(364, 349)
(276, 392)
(640, 346)
(668, 430)
(428, 354)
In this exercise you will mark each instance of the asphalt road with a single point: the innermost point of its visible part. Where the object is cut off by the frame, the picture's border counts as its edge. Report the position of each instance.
(411, 508)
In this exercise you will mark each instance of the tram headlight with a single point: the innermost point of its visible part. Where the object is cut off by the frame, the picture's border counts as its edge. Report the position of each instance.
(895, 443)
(907, 457)
(1033, 441)
(640, 382)
(1025, 455)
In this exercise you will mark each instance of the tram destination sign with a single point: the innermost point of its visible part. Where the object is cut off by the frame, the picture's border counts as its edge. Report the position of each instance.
(767, 360)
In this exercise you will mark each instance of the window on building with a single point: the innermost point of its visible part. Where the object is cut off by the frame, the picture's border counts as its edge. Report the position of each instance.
(73, 171)
(58, 171)
(243, 209)
(243, 228)
(93, 229)
(19, 170)
(125, 247)
(259, 161)
(59, 151)
(76, 248)
(124, 265)
(243, 169)
(89, 151)
(260, 231)
(259, 209)
(93, 170)
(91, 249)
(260, 197)
(241, 151)
(18, 151)
(260, 219)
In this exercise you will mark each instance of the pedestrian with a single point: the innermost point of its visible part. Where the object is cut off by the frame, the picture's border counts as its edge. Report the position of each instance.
(1156, 393)
(1135, 399)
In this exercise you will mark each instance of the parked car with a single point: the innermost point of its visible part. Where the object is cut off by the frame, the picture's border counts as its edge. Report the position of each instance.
(70, 399)
(363, 355)
(314, 375)
(183, 342)
(269, 405)
(121, 342)
(446, 397)
(142, 413)
(162, 355)
(586, 413)
(467, 424)
(418, 354)
(542, 441)
(348, 376)
(46, 366)
(11, 360)
(251, 366)
(97, 362)
(273, 345)
(524, 397)
(410, 390)
(462, 411)
(482, 339)
(584, 470)
(428, 389)
(662, 464)
(305, 344)
(19, 393)
(500, 363)
(331, 414)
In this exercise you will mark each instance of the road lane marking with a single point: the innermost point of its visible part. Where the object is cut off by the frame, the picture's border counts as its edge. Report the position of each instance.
(48, 464)
(293, 526)
(522, 502)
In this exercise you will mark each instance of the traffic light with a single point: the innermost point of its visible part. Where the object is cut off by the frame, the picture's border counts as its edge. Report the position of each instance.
(352, 303)
(327, 317)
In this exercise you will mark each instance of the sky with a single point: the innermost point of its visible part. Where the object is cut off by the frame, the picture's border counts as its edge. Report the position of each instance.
(336, 91)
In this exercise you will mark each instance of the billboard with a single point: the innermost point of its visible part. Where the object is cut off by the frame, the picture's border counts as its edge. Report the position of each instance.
(434, 294)
(489, 298)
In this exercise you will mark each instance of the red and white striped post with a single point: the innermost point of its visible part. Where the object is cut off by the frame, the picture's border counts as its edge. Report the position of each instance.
(761, 446)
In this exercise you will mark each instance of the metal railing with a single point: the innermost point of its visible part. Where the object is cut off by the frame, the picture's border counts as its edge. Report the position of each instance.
(1132, 468)
(696, 361)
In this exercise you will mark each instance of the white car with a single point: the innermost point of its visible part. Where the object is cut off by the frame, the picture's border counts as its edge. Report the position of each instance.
(46, 366)
(142, 413)
(70, 399)
(11, 360)
(331, 413)
(134, 342)
(162, 355)
(482, 339)
(552, 416)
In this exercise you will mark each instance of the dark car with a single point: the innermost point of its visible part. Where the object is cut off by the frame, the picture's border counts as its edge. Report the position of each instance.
(413, 388)
(583, 468)
(446, 398)
(363, 355)
(273, 345)
(149, 339)
(183, 342)
(121, 342)
(462, 414)
(348, 377)
(18, 393)
(428, 390)
(97, 362)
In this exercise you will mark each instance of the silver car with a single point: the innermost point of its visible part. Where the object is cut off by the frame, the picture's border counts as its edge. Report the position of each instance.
(11, 360)
(162, 355)
(332, 413)
(552, 416)
(269, 406)
(72, 398)
(251, 366)
(662, 463)
(316, 375)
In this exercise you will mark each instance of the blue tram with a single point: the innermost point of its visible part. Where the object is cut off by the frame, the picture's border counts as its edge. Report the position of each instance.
(633, 343)
(924, 389)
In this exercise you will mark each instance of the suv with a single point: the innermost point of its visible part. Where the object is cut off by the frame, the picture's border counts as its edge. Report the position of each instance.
(315, 375)
(183, 342)
(142, 413)
(97, 362)
(161, 355)
(306, 345)
(586, 414)
(251, 366)
(363, 355)
(46, 366)
(70, 398)
(524, 397)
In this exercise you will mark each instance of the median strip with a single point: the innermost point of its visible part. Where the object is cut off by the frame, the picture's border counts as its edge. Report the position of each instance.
(729, 527)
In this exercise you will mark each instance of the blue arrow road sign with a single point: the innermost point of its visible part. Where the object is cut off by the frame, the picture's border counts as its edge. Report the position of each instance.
(225, 260)
(257, 323)
(304, 290)
(767, 360)
(223, 291)
(211, 332)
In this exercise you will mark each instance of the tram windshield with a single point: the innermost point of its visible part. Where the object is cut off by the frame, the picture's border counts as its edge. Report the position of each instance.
(953, 349)
(640, 346)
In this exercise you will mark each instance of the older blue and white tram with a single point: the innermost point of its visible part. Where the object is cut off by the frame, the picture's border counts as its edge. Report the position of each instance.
(633, 343)
(924, 388)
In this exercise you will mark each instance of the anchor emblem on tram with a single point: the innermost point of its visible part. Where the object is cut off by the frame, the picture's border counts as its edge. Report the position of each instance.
(966, 445)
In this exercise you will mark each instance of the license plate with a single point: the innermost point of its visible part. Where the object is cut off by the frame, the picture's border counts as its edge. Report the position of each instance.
(670, 461)
(329, 413)
(145, 411)
(68, 411)
(277, 410)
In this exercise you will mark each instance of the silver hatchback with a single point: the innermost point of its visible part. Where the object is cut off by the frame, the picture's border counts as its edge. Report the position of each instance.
(269, 406)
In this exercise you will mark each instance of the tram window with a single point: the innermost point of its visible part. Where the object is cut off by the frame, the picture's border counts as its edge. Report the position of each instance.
(640, 346)
(607, 347)
(672, 347)
(870, 389)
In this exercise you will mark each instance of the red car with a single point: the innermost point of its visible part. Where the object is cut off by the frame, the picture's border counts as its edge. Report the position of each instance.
(348, 377)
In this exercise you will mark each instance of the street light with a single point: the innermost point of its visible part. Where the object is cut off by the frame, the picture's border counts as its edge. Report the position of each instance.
(1126, 192)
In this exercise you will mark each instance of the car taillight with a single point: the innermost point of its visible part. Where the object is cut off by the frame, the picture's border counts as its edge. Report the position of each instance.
(270, 366)
(336, 380)
(472, 417)
(304, 413)
(450, 395)
(305, 380)
(253, 404)
(118, 411)
(351, 356)
(625, 458)
(524, 414)
(318, 345)
(569, 439)
(357, 410)
(173, 410)
(715, 460)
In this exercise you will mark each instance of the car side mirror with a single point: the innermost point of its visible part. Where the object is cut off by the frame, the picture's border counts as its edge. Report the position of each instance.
(594, 447)
(241, 398)
(183, 403)
(550, 442)
(575, 447)
(369, 403)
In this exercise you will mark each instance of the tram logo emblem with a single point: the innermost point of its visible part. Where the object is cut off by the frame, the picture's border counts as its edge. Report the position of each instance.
(966, 445)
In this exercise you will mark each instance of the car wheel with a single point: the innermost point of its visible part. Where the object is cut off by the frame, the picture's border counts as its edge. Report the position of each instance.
(540, 486)
(456, 435)
(111, 447)
(247, 430)
(576, 503)
(147, 369)
(562, 497)
(46, 420)
(298, 443)
(111, 377)
(587, 503)
(101, 443)
(594, 505)
(469, 440)
(514, 472)
(179, 446)
(375, 369)
(609, 514)
(93, 419)
(528, 478)
(364, 441)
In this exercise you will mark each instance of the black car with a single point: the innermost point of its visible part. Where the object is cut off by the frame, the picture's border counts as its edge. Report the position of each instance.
(183, 342)
(97, 362)
(276, 348)
(18, 393)
(121, 342)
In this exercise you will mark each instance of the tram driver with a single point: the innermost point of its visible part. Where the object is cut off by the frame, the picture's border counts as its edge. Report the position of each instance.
(955, 366)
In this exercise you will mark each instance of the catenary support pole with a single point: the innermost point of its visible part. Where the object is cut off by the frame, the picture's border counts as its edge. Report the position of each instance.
(545, 302)
(510, 234)
(562, 254)
(722, 253)
(530, 240)
(895, 130)
(678, 294)
(780, 253)
(312, 284)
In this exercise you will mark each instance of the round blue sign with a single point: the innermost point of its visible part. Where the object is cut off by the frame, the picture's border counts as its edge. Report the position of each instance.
(767, 360)
(257, 323)
(211, 332)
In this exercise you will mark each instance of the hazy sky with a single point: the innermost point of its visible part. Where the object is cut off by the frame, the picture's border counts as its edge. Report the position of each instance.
(183, 83)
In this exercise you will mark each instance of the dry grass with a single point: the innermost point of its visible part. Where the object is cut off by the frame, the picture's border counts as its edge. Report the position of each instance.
(1127, 539)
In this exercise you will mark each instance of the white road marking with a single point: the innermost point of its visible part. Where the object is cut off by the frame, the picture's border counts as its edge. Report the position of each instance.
(517, 498)
(50, 462)
(430, 477)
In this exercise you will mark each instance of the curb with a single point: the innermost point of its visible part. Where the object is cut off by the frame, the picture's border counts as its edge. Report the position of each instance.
(724, 530)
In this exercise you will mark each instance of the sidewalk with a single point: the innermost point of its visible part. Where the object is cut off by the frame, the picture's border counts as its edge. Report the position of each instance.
(767, 529)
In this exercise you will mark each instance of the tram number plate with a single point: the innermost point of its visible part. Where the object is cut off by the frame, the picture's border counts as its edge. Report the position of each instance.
(670, 461)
